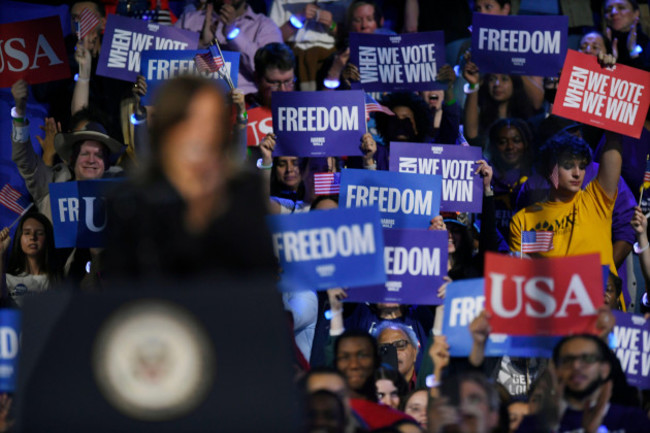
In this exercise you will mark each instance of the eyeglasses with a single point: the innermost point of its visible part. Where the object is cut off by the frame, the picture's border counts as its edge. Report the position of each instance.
(584, 358)
(399, 345)
(276, 85)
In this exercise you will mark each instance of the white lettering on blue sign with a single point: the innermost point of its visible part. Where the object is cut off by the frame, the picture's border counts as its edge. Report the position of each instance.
(390, 200)
(119, 49)
(368, 64)
(8, 343)
(465, 309)
(305, 119)
(325, 243)
(415, 261)
(69, 209)
(519, 41)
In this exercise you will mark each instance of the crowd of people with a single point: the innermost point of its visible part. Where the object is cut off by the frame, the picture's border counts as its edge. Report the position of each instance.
(193, 199)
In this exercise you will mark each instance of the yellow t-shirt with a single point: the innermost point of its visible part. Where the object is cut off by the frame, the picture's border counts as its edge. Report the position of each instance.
(581, 226)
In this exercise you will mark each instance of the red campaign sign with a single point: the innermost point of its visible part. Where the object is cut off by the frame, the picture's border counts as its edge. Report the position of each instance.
(32, 50)
(615, 99)
(259, 124)
(550, 296)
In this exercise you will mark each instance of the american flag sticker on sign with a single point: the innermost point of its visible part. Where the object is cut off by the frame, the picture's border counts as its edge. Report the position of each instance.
(327, 183)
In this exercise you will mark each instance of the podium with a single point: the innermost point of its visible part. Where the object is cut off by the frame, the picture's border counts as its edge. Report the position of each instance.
(205, 355)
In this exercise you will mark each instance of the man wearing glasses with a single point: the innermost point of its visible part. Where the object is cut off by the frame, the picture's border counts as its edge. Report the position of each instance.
(586, 379)
(403, 339)
(274, 72)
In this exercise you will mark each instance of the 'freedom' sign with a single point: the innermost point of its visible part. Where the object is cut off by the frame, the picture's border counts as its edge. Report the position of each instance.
(325, 249)
(550, 296)
(125, 38)
(397, 63)
(464, 301)
(462, 190)
(522, 45)
(10, 329)
(406, 201)
(615, 99)
(632, 338)
(416, 263)
(79, 212)
(32, 50)
(318, 123)
(161, 65)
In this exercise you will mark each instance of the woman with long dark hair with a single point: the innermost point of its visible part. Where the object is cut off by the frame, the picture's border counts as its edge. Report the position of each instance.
(495, 96)
(33, 266)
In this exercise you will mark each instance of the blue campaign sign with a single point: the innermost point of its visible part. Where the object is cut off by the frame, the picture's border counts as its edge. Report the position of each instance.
(398, 63)
(464, 301)
(125, 39)
(632, 347)
(406, 201)
(318, 123)
(10, 326)
(326, 249)
(521, 45)
(416, 264)
(79, 212)
(161, 65)
(462, 190)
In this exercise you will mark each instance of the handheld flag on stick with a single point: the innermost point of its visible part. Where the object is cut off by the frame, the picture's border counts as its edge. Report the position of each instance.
(12, 199)
(646, 178)
(218, 56)
(87, 23)
(327, 183)
(21, 215)
(373, 105)
(536, 242)
(206, 63)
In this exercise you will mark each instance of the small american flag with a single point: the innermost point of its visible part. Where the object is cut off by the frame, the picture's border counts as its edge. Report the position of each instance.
(12, 199)
(216, 54)
(327, 183)
(87, 23)
(536, 242)
(206, 62)
(373, 105)
(646, 175)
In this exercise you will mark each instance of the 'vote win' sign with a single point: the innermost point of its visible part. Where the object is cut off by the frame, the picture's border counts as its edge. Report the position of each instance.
(326, 249)
(126, 38)
(416, 263)
(407, 62)
(404, 200)
(632, 341)
(462, 190)
(79, 212)
(615, 99)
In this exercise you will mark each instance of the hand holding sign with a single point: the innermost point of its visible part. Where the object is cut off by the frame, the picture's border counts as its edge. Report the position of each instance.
(369, 148)
(266, 147)
(19, 91)
(5, 240)
(84, 59)
(470, 70)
